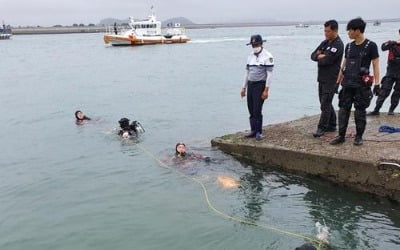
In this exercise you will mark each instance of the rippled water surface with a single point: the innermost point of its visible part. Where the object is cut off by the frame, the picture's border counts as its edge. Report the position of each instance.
(64, 186)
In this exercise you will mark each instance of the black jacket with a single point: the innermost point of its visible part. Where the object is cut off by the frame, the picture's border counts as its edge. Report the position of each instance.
(329, 66)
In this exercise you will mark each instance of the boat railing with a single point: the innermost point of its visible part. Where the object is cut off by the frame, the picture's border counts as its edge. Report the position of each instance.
(175, 31)
(117, 29)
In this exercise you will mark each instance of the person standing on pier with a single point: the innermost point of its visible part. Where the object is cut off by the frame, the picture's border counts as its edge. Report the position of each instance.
(115, 28)
(356, 80)
(392, 77)
(257, 82)
(329, 56)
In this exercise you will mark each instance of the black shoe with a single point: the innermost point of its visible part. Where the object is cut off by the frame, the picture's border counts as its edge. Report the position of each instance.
(390, 112)
(373, 113)
(338, 140)
(319, 133)
(358, 141)
(333, 129)
(250, 134)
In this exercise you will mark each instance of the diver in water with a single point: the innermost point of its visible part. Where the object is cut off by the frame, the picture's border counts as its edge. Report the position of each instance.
(181, 156)
(180, 153)
(306, 246)
(127, 130)
(81, 117)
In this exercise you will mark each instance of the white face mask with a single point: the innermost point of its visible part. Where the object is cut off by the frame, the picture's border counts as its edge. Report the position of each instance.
(257, 50)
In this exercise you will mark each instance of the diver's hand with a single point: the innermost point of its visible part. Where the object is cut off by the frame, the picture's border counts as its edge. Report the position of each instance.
(265, 94)
(243, 92)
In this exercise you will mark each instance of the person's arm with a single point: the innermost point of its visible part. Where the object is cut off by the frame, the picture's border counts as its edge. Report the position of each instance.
(265, 93)
(375, 68)
(340, 75)
(246, 77)
(387, 45)
(374, 55)
(330, 58)
(316, 53)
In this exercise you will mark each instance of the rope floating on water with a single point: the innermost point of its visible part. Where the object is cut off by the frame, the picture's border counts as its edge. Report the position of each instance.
(229, 217)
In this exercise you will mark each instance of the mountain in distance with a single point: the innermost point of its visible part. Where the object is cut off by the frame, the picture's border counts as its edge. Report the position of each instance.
(182, 20)
(110, 21)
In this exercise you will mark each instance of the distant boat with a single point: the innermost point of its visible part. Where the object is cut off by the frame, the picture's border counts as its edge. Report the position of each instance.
(302, 25)
(377, 23)
(5, 32)
(147, 31)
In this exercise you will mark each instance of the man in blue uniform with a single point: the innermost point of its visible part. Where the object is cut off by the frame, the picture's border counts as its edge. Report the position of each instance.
(257, 82)
(392, 77)
(329, 56)
(356, 80)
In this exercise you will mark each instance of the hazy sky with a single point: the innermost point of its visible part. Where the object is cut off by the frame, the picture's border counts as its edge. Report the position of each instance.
(67, 12)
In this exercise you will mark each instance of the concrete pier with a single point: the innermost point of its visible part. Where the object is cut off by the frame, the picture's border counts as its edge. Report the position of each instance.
(373, 167)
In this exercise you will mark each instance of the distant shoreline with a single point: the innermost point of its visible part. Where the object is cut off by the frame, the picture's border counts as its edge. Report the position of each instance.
(104, 29)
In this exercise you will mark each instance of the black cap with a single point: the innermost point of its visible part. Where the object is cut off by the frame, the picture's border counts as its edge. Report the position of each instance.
(256, 39)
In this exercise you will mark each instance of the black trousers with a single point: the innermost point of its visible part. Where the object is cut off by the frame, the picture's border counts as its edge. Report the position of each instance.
(254, 104)
(326, 92)
(387, 85)
(361, 98)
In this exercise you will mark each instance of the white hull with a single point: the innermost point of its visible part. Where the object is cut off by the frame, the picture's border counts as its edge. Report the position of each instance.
(116, 40)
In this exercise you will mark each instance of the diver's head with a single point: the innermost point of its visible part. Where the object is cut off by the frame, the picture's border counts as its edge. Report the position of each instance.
(124, 123)
(79, 115)
(180, 149)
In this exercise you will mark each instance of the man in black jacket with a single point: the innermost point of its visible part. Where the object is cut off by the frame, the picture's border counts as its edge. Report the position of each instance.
(392, 77)
(329, 56)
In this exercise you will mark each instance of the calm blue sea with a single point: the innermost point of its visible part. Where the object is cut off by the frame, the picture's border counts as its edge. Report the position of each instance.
(64, 186)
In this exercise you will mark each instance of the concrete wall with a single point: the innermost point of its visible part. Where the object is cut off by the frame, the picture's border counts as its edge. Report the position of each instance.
(382, 180)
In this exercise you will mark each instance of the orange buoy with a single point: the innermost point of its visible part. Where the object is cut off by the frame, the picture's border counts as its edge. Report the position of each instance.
(227, 182)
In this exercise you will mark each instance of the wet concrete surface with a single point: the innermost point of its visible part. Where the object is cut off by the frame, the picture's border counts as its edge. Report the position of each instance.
(373, 167)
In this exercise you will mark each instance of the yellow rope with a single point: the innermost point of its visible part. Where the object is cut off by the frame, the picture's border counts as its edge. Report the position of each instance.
(226, 216)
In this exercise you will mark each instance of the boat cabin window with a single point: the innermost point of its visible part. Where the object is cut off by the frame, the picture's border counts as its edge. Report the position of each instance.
(145, 26)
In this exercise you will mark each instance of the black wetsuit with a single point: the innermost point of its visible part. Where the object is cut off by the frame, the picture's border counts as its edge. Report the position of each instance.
(354, 90)
(328, 70)
(391, 78)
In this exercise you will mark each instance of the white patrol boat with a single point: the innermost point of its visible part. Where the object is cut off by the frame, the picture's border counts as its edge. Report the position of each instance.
(147, 31)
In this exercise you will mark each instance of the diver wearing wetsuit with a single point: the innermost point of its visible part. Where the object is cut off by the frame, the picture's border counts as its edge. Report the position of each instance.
(180, 153)
(356, 80)
(391, 78)
(127, 130)
(80, 117)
